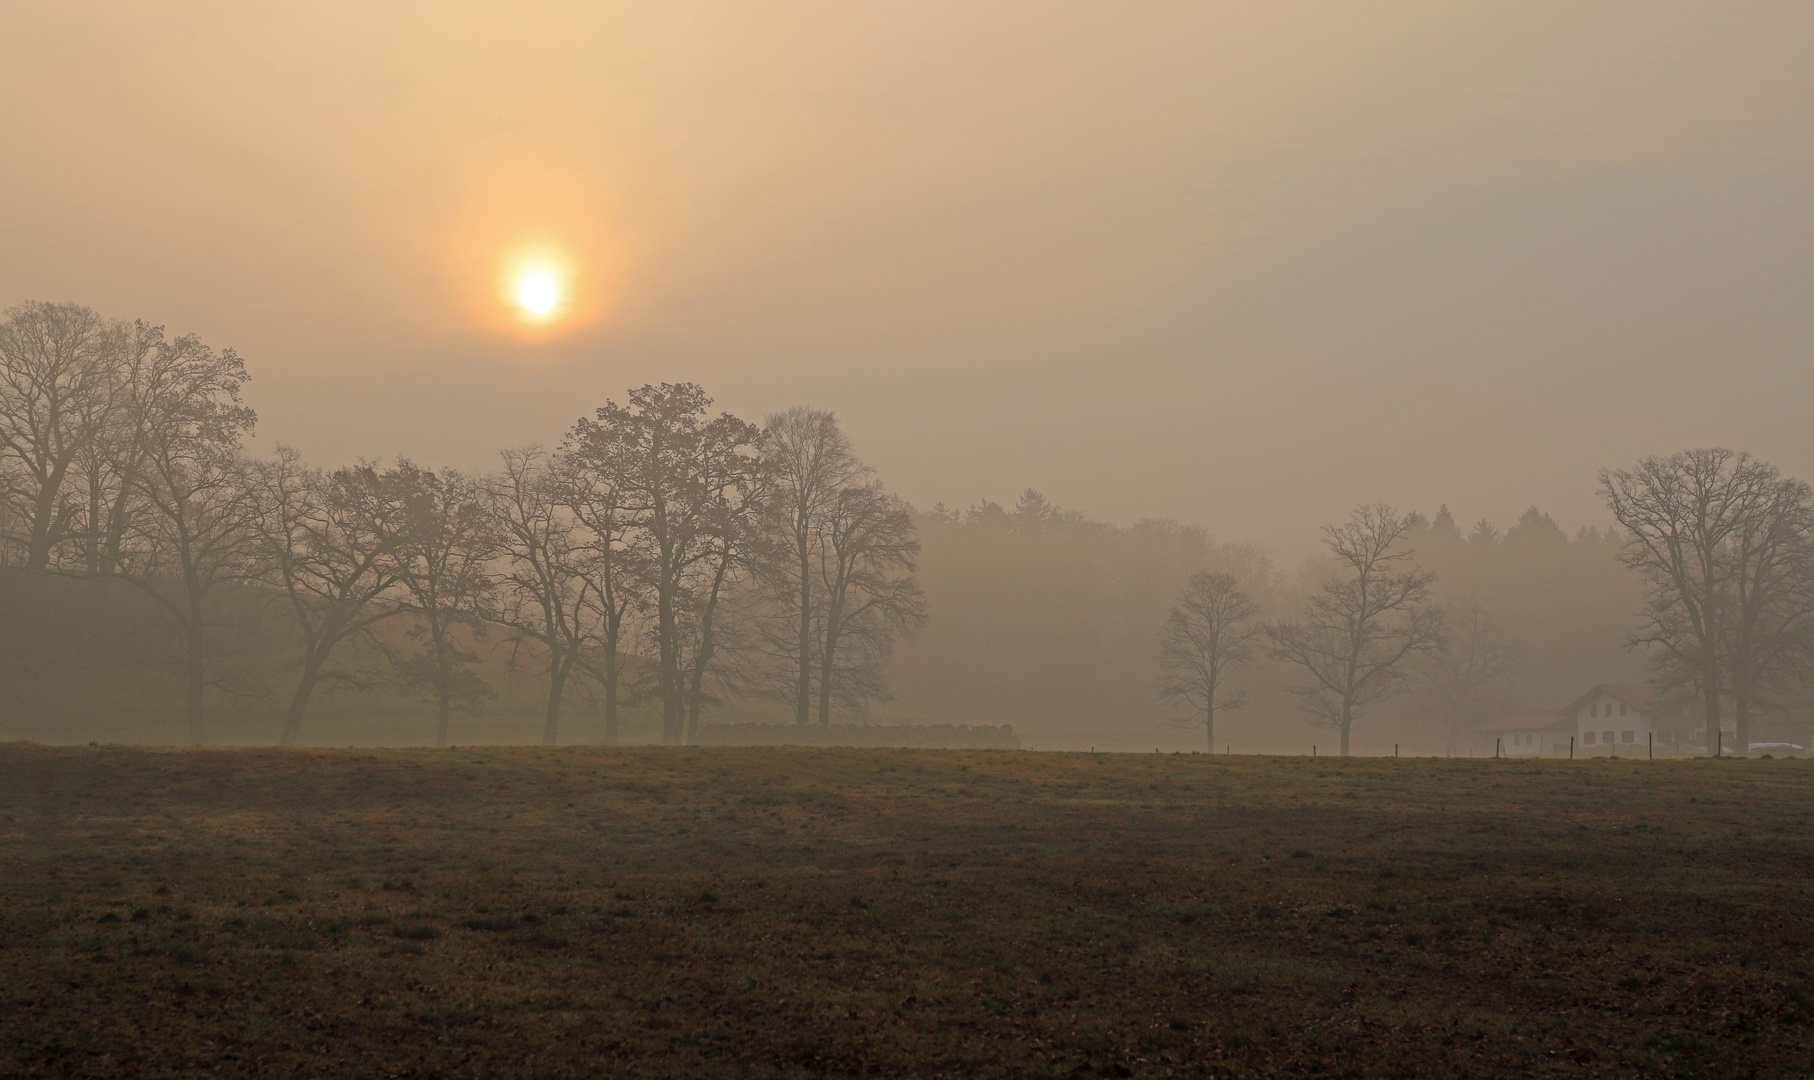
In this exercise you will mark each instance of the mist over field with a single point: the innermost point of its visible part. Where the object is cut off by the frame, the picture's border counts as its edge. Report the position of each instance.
(932, 539)
(1099, 300)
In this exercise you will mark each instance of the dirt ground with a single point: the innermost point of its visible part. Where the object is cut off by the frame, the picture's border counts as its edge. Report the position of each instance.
(772, 912)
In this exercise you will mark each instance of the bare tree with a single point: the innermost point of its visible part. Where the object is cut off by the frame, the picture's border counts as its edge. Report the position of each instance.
(676, 468)
(812, 462)
(546, 575)
(201, 526)
(1722, 541)
(173, 457)
(1771, 613)
(738, 546)
(334, 546)
(1210, 631)
(449, 538)
(62, 381)
(1357, 632)
(865, 569)
(163, 388)
(613, 563)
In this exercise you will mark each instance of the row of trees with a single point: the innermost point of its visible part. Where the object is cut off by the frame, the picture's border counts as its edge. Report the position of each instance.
(1052, 619)
(1349, 648)
(1722, 544)
(659, 552)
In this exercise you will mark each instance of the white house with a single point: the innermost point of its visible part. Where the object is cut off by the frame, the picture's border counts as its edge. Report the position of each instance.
(1630, 715)
(1613, 720)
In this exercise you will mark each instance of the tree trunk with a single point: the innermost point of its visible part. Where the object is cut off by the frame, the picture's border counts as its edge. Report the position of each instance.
(1209, 726)
(1347, 723)
(443, 677)
(37, 549)
(299, 702)
(695, 685)
(803, 680)
(1710, 702)
(696, 690)
(692, 734)
(825, 672)
(196, 673)
(443, 711)
(1741, 721)
(194, 679)
(557, 685)
(611, 691)
(116, 531)
(673, 720)
(707, 645)
(668, 678)
(93, 542)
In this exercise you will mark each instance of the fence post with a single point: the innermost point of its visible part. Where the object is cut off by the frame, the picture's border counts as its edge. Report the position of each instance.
(1653, 746)
(1394, 749)
(1498, 744)
(1571, 748)
(1312, 749)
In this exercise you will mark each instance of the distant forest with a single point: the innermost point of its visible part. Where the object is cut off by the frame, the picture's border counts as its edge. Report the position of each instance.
(1048, 618)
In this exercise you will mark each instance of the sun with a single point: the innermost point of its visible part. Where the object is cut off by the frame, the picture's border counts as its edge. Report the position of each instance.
(543, 291)
(538, 290)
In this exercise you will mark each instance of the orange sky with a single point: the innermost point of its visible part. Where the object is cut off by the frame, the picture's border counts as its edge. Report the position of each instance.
(1238, 263)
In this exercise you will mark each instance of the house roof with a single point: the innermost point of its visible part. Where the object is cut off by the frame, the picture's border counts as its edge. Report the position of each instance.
(1640, 698)
(1535, 721)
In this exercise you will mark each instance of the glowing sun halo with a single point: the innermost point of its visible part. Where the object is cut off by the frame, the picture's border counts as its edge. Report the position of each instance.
(538, 290)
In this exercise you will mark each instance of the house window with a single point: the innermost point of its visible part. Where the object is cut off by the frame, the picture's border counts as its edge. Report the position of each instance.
(1587, 738)
(1629, 735)
(1605, 736)
(1623, 708)
(1593, 710)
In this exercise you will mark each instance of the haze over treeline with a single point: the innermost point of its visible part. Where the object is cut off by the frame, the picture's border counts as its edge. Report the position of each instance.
(656, 565)
(1211, 276)
(1048, 617)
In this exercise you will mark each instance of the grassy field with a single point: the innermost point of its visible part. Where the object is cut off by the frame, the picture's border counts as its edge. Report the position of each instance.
(780, 913)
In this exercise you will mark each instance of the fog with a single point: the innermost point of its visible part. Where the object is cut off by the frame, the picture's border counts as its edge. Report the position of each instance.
(1207, 275)
(1239, 265)
(943, 538)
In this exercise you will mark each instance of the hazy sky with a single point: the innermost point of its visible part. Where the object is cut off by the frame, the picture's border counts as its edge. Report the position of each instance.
(1241, 263)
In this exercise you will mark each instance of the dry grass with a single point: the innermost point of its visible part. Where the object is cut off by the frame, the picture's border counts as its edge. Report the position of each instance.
(792, 913)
